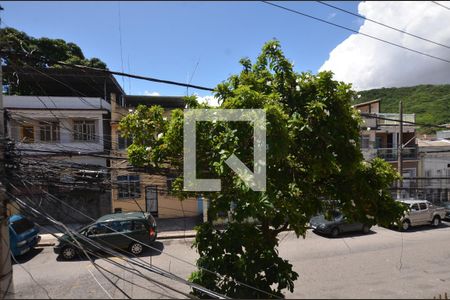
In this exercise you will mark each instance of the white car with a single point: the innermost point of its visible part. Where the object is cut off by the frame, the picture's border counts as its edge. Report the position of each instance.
(422, 212)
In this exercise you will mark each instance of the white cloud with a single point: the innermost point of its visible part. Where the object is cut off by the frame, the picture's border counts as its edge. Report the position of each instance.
(368, 63)
(331, 16)
(148, 93)
(211, 100)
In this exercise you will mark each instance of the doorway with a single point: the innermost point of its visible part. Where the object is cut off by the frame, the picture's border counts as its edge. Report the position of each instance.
(151, 199)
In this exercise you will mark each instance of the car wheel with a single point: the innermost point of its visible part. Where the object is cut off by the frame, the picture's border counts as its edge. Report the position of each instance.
(405, 225)
(436, 221)
(68, 252)
(366, 229)
(136, 248)
(335, 232)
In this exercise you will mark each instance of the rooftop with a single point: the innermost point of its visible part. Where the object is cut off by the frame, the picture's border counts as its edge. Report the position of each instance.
(64, 82)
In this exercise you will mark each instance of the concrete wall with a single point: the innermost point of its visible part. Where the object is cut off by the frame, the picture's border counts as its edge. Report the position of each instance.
(45, 103)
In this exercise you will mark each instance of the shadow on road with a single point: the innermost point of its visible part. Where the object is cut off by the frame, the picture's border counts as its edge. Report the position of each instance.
(27, 256)
(155, 249)
(344, 235)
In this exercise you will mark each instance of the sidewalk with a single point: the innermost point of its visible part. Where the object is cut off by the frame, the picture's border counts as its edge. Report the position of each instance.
(177, 228)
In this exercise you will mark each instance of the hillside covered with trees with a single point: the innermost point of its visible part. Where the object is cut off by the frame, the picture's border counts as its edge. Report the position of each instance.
(430, 103)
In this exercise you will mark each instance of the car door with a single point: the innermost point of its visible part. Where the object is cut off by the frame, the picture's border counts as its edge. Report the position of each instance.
(140, 231)
(424, 213)
(414, 214)
(342, 222)
(116, 234)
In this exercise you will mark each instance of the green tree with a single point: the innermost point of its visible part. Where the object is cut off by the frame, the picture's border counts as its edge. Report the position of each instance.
(19, 49)
(312, 154)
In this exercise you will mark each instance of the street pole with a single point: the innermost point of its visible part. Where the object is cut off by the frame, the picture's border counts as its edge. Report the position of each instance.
(6, 278)
(399, 151)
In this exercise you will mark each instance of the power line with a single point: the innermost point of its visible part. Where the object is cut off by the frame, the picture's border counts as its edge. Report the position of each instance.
(158, 250)
(382, 24)
(152, 79)
(372, 116)
(355, 31)
(110, 251)
(441, 5)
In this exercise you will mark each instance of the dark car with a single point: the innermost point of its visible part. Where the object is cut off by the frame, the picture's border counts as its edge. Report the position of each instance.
(336, 225)
(23, 234)
(128, 230)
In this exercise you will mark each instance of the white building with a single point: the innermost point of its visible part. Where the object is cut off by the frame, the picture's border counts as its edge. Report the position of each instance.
(43, 125)
(434, 169)
(59, 122)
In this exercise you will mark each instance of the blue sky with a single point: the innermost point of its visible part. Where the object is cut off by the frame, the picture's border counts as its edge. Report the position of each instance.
(167, 39)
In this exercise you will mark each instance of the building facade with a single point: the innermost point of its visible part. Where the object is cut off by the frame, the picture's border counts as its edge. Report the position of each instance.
(139, 190)
(61, 141)
(434, 169)
(380, 138)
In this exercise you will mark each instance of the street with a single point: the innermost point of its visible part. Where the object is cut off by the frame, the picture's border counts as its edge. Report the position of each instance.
(382, 264)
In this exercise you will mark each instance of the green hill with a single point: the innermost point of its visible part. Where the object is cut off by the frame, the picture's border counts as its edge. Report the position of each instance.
(430, 103)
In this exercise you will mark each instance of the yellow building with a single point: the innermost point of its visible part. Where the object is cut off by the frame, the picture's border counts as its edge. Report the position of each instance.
(135, 191)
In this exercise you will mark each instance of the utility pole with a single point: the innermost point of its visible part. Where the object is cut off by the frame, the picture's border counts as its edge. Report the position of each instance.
(399, 151)
(6, 278)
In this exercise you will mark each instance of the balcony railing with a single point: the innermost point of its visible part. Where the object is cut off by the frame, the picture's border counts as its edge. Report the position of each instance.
(406, 118)
(391, 154)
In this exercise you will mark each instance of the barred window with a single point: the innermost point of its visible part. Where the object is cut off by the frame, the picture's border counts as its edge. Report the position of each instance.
(49, 131)
(129, 186)
(364, 141)
(84, 130)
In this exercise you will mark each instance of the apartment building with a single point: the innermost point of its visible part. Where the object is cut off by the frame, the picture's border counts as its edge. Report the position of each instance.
(134, 189)
(60, 128)
(380, 138)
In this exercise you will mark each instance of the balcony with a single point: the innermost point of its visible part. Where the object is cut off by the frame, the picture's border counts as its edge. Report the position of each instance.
(406, 118)
(390, 154)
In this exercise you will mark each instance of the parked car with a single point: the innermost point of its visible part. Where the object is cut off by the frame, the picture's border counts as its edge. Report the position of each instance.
(421, 212)
(337, 225)
(23, 234)
(446, 206)
(127, 230)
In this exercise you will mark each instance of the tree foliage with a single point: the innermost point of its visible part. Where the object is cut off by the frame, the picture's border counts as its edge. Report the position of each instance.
(19, 49)
(313, 154)
(430, 103)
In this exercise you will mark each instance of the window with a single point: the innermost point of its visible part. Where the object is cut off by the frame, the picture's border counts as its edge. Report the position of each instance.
(121, 226)
(99, 228)
(27, 133)
(49, 131)
(139, 226)
(428, 176)
(364, 141)
(129, 186)
(84, 131)
(123, 142)
(378, 142)
(423, 206)
(415, 207)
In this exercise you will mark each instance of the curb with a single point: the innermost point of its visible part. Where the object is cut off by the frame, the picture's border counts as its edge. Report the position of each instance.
(52, 242)
(176, 236)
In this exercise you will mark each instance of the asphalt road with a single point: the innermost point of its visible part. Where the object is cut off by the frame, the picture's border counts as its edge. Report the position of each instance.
(382, 264)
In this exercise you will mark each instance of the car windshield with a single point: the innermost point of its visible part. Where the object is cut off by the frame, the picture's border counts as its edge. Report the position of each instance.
(22, 225)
